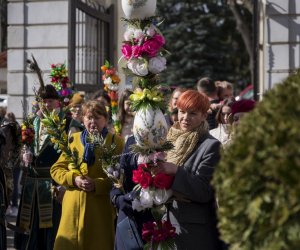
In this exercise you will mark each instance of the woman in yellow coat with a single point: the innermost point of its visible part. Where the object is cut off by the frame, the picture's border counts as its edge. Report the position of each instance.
(87, 220)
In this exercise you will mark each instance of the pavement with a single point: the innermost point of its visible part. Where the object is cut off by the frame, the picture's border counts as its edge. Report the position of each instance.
(10, 234)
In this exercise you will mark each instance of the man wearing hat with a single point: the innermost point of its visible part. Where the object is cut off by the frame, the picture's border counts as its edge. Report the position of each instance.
(39, 213)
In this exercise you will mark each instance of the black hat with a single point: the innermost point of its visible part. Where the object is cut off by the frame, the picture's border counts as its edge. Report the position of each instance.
(48, 92)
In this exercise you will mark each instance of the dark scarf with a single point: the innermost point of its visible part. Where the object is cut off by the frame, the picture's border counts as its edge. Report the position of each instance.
(88, 153)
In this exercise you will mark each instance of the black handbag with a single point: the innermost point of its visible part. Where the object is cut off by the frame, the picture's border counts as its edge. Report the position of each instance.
(129, 235)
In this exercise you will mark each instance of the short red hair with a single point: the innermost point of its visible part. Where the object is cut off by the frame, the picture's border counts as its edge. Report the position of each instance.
(192, 100)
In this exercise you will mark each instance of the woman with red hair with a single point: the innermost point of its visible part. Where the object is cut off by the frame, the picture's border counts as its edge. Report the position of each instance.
(192, 162)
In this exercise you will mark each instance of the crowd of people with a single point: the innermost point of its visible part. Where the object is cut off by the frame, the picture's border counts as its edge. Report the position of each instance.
(61, 209)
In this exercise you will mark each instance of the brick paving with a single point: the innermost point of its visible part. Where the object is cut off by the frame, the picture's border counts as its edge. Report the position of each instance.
(10, 234)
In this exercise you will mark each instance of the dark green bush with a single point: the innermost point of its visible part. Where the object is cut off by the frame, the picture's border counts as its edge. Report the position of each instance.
(258, 179)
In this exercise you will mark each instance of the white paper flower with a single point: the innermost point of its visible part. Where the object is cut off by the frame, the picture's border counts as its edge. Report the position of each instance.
(108, 81)
(151, 30)
(136, 205)
(157, 64)
(160, 196)
(138, 67)
(138, 34)
(110, 170)
(114, 87)
(114, 117)
(143, 159)
(146, 198)
(128, 35)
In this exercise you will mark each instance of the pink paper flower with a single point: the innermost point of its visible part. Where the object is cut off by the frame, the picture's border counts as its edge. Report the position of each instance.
(137, 51)
(153, 45)
(127, 51)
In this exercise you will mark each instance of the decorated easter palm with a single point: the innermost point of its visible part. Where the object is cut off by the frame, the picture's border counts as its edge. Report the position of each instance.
(143, 55)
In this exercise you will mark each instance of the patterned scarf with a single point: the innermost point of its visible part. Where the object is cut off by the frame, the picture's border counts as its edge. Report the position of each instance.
(88, 153)
(184, 142)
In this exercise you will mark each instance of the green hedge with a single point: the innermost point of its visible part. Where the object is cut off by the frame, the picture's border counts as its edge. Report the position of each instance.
(258, 179)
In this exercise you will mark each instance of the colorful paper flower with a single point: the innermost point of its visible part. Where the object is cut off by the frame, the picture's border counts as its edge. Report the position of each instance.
(61, 82)
(140, 46)
(111, 84)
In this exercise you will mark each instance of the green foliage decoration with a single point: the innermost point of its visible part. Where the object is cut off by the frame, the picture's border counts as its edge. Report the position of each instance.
(257, 181)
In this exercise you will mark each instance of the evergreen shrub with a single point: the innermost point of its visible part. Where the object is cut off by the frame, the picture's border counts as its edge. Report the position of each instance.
(258, 179)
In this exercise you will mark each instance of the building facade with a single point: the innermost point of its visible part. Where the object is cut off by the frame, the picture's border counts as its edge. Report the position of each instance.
(80, 33)
(279, 41)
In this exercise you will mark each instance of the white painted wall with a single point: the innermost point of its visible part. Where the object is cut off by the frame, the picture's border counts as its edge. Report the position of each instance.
(279, 40)
(37, 27)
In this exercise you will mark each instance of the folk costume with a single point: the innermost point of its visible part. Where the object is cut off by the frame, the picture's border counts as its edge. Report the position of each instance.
(87, 221)
(39, 213)
(9, 157)
(4, 205)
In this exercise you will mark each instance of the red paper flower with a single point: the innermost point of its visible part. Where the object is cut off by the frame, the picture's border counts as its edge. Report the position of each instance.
(163, 181)
(168, 229)
(142, 176)
(148, 230)
(158, 232)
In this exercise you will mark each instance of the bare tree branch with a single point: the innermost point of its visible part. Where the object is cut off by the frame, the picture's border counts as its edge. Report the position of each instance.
(248, 4)
(243, 28)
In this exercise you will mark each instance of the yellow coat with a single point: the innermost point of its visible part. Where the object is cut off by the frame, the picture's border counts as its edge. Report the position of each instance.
(87, 220)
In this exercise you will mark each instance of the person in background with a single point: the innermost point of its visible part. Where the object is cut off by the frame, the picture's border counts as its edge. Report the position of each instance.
(125, 114)
(2, 115)
(207, 87)
(87, 220)
(75, 106)
(174, 116)
(102, 97)
(238, 110)
(172, 107)
(224, 89)
(39, 211)
(223, 117)
(192, 162)
(14, 165)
